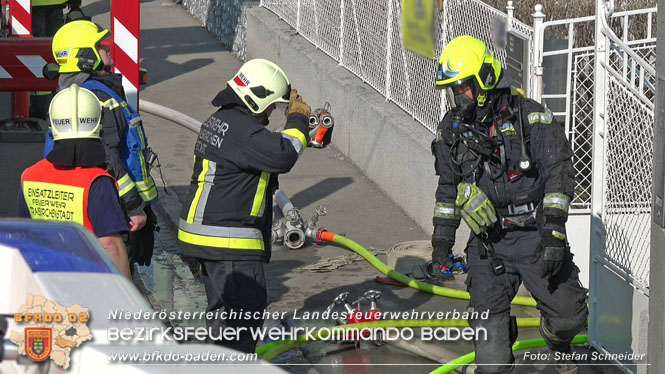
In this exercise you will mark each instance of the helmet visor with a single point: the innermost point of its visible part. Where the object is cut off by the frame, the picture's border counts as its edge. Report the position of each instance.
(444, 76)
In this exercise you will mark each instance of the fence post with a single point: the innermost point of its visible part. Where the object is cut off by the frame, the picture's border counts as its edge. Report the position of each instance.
(536, 88)
(341, 32)
(510, 9)
(597, 235)
(389, 48)
(656, 336)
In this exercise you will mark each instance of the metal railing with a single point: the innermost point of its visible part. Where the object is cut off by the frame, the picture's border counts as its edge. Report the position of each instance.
(571, 41)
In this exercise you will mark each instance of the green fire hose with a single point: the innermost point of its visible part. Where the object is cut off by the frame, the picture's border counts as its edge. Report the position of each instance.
(518, 346)
(392, 273)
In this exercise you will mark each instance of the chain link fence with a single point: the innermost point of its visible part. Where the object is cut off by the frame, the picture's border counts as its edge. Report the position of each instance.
(629, 172)
(627, 166)
(365, 37)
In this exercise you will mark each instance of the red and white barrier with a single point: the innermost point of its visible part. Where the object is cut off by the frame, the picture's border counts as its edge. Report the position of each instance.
(22, 60)
(21, 63)
(21, 18)
(126, 25)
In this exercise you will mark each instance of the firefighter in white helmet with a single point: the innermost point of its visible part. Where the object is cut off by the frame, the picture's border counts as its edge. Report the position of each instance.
(71, 184)
(226, 218)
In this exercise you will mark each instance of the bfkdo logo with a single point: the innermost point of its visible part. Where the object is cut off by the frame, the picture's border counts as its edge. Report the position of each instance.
(38, 343)
(50, 330)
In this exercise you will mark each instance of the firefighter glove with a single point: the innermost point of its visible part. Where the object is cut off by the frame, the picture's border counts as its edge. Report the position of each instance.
(475, 207)
(442, 248)
(552, 247)
(297, 105)
(141, 243)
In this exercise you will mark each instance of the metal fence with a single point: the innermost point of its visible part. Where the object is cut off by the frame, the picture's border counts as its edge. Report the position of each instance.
(365, 37)
(623, 158)
(568, 50)
(621, 187)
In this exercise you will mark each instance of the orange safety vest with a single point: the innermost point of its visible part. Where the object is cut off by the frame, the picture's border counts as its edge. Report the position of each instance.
(59, 193)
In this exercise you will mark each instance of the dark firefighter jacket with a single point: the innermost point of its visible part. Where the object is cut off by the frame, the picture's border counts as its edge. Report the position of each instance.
(549, 184)
(227, 214)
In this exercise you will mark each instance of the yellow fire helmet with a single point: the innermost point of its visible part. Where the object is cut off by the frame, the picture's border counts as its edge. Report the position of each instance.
(467, 59)
(260, 83)
(75, 46)
(75, 113)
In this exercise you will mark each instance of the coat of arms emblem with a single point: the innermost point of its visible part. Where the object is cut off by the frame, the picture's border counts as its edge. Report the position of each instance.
(38, 343)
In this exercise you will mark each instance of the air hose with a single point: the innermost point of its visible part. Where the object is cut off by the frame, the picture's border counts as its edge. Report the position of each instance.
(270, 351)
(393, 274)
(518, 346)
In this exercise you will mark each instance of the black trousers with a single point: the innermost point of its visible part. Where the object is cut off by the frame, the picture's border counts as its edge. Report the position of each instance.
(235, 287)
(561, 300)
(46, 20)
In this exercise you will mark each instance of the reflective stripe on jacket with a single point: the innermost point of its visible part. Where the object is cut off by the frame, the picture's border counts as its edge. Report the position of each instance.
(227, 214)
(59, 194)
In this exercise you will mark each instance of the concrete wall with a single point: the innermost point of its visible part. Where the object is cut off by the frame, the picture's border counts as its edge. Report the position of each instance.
(385, 143)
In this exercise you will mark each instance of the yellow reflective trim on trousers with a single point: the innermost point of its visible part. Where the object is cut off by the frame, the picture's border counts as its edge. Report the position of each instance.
(219, 242)
(40, 93)
(197, 196)
(260, 194)
(297, 134)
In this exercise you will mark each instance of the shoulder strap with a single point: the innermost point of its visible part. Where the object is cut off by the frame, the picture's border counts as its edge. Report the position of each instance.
(94, 85)
(522, 126)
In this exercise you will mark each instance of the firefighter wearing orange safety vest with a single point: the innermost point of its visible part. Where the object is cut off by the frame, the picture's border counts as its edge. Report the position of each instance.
(71, 184)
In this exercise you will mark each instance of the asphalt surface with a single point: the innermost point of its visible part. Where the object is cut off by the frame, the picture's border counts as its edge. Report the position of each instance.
(187, 67)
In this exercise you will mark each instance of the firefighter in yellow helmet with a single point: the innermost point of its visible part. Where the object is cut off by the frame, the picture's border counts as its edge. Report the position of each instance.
(226, 218)
(504, 166)
(71, 184)
(80, 50)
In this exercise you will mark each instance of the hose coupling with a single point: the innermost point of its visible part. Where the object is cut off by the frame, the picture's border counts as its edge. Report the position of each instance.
(294, 238)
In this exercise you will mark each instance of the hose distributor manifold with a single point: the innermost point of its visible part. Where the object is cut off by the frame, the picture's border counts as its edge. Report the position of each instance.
(294, 231)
